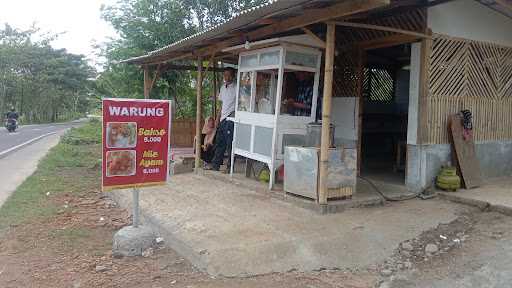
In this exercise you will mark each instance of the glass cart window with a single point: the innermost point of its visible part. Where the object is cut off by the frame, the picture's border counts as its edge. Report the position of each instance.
(244, 94)
(269, 58)
(301, 59)
(243, 136)
(263, 140)
(266, 90)
(249, 61)
(297, 96)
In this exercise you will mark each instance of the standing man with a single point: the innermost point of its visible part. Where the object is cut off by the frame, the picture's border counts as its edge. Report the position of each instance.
(224, 137)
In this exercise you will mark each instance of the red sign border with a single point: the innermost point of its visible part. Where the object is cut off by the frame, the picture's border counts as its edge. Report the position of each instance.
(138, 185)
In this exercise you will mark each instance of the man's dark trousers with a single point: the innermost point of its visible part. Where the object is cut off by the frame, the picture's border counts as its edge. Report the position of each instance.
(224, 139)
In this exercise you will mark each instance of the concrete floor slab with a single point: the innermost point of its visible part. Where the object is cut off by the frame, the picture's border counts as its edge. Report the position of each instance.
(364, 195)
(227, 229)
(495, 193)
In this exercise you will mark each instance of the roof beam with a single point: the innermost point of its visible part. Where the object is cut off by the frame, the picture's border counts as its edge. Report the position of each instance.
(392, 40)
(504, 3)
(166, 67)
(161, 59)
(310, 17)
(168, 58)
(314, 36)
(382, 28)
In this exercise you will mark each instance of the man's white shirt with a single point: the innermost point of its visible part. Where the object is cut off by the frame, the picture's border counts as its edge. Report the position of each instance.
(228, 98)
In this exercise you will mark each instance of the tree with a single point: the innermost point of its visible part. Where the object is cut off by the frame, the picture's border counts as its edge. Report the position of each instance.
(43, 83)
(209, 13)
(146, 25)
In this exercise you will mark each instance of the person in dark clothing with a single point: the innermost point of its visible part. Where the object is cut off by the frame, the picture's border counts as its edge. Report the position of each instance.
(224, 135)
(11, 120)
(301, 98)
(12, 114)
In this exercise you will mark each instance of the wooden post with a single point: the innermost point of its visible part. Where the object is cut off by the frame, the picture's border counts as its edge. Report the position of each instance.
(199, 87)
(214, 100)
(147, 82)
(326, 113)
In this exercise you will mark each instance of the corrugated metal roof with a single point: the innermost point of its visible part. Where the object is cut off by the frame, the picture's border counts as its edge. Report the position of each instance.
(236, 22)
(249, 19)
(502, 6)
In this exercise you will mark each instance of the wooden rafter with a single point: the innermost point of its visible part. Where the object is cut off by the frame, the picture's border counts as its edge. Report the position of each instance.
(411, 20)
(266, 21)
(504, 3)
(312, 16)
(387, 41)
(166, 58)
(314, 36)
(382, 28)
(178, 67)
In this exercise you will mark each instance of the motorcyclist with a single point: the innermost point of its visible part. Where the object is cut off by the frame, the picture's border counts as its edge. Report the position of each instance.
(11, 121)
(12, 114)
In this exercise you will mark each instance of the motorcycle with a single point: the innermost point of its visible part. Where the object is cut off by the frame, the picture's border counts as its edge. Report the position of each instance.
(11, 125)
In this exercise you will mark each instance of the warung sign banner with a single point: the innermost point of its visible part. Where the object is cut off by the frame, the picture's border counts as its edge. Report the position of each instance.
(135, 143)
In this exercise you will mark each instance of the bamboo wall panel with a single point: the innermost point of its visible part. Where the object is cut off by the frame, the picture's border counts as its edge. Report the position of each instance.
(492, 119)
(465, 74)
(378, 85)
(347, 73)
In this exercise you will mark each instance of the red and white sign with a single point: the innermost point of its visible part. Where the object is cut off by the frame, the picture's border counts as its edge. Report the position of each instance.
(135, 143)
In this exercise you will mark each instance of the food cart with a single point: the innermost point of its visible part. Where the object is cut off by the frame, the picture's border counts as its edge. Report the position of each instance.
(277, 94)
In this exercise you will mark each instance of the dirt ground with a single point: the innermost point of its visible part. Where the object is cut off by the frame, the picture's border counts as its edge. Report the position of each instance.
(67, 250)
(474, 251)
(68, 243)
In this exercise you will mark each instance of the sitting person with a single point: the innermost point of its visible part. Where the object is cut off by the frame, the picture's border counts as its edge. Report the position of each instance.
(208, 137)
(300, 97)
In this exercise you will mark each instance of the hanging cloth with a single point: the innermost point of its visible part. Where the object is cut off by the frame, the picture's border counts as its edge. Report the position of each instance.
(467, 123)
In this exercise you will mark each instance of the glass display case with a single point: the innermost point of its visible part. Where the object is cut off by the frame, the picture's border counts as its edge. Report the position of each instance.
(276, 99)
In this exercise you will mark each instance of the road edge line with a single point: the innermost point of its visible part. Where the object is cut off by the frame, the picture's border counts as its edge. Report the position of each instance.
(19, 146)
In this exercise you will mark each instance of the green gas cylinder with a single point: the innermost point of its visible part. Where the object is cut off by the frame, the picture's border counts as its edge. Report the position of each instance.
(447, 179)
(264, 175)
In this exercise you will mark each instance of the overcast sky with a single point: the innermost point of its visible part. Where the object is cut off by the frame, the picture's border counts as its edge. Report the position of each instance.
(80, 19)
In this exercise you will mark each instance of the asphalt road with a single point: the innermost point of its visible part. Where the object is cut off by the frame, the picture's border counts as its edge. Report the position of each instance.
(29, 132)
(18, 160)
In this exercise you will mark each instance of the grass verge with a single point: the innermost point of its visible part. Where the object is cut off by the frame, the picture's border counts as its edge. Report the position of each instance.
(73, 166)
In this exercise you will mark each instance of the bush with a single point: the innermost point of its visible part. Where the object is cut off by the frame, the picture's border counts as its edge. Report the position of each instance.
(88, 134)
